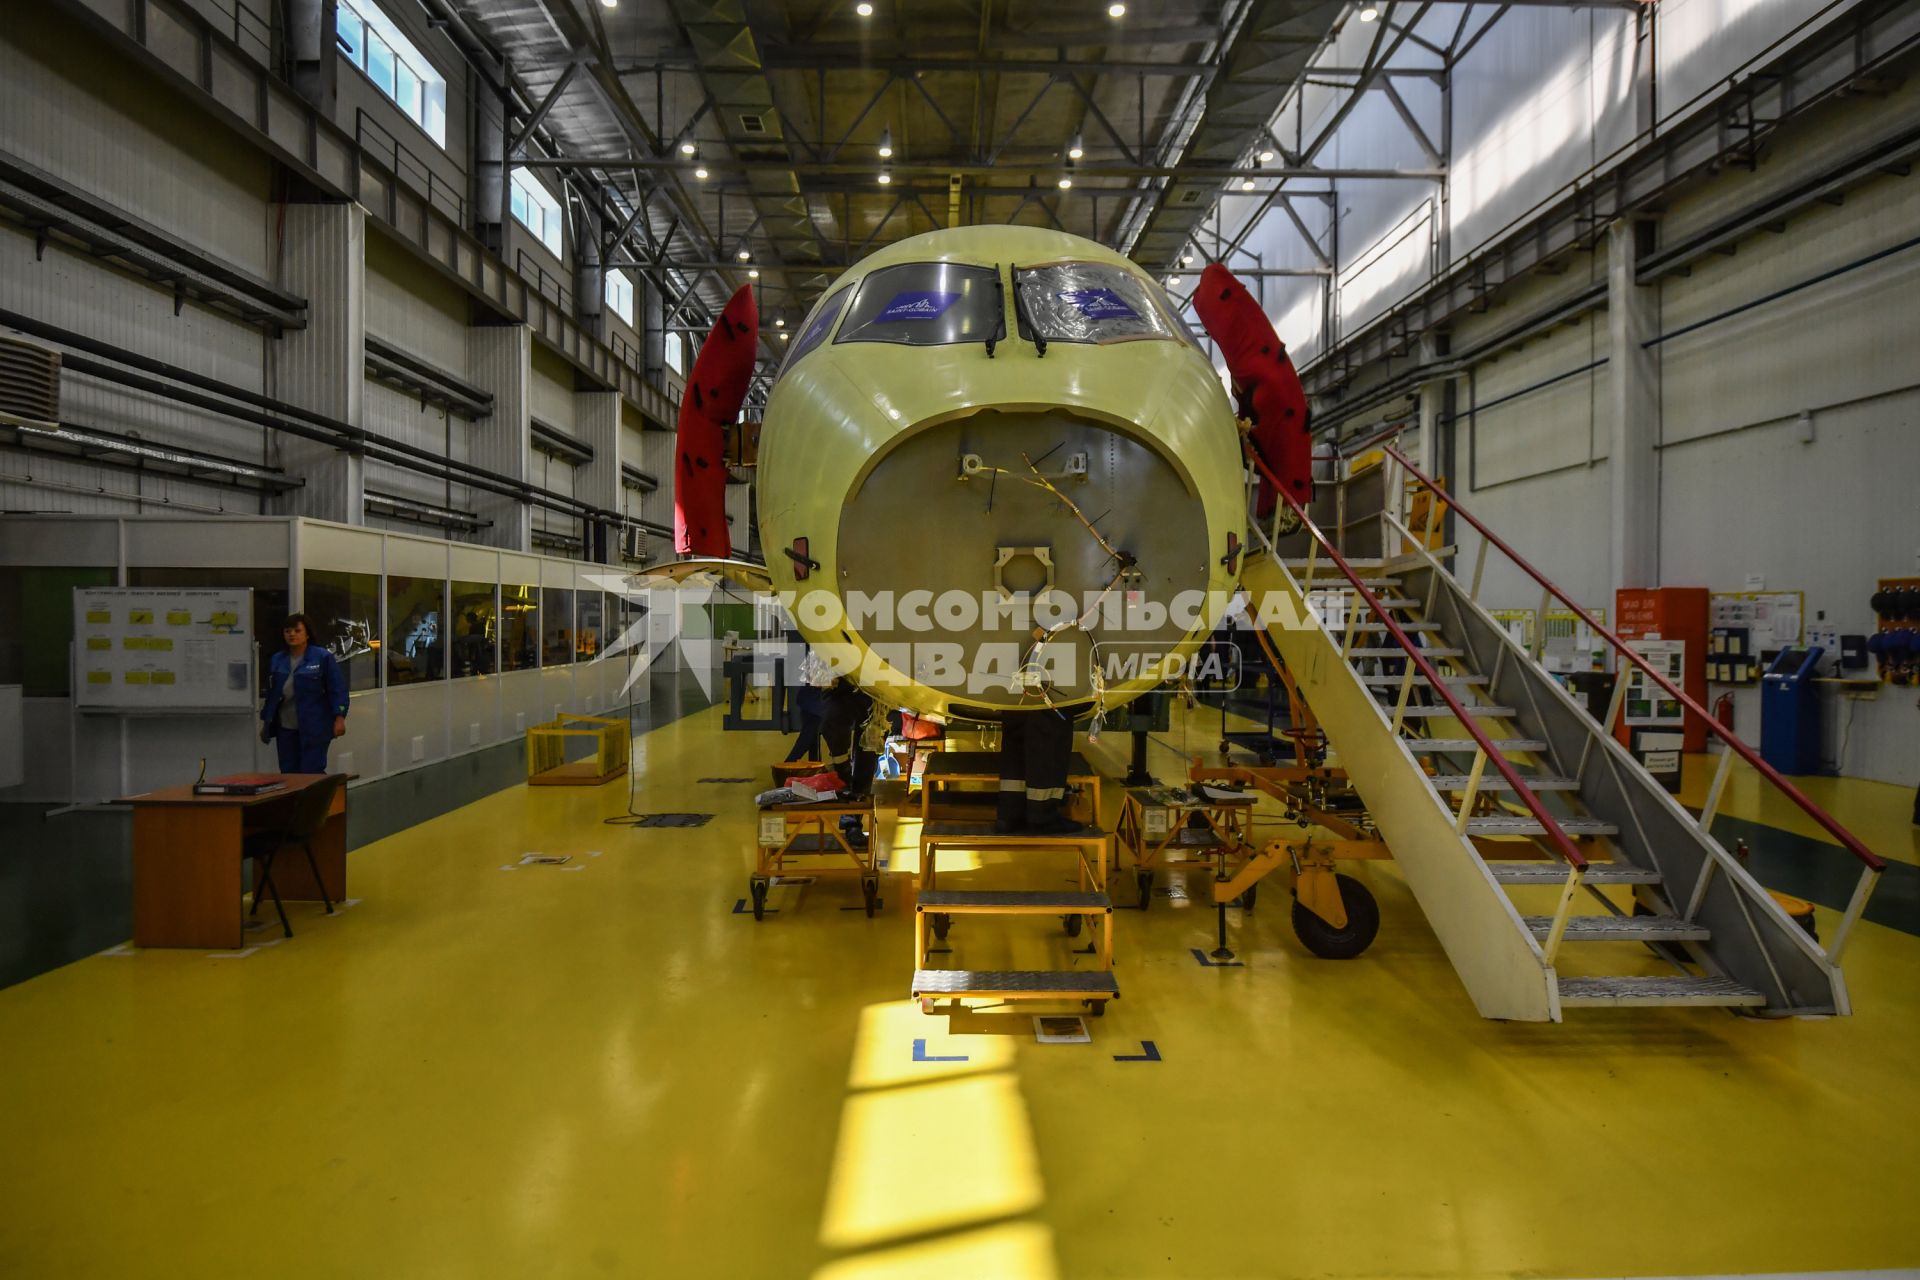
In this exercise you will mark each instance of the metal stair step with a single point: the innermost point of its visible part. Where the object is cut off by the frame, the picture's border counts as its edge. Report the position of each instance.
(1492, 781)
(1340, 582)
(1396, 651)
(1015, 982)
(1421, 745)
(1513, 825)
(1400, 602)
(1011, 900)
(1393, 682)
(1405, 626)
(1623, 929)
(1472, 708)
(1662, 990)
(985, 834)
(1359, 563)
(1556, 873)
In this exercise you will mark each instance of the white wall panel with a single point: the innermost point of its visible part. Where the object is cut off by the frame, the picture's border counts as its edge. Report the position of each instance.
(122, 138)
(499, 358)
(415, 308)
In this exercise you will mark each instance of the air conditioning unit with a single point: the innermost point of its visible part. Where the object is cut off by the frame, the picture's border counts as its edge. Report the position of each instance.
(29, 382)
(633, 543)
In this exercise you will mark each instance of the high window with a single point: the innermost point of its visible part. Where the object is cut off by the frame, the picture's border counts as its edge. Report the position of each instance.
(620, 295)
(676, 354)
(535, 209)
(369, 40)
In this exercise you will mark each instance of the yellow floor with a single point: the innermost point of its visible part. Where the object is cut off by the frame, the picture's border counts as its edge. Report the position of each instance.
(607, 1071)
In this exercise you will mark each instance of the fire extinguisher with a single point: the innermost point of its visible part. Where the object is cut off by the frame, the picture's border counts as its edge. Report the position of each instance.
(1723, 711)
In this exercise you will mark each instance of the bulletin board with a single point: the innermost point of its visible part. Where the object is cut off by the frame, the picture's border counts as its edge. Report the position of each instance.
(1774, 619)
(155, 649)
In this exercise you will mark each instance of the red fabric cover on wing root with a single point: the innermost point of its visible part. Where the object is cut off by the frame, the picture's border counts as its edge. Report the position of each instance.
(1264, 378)
(715, 388)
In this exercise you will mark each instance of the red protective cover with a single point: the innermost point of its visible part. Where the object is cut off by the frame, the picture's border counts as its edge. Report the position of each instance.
(1264, 380)
(715, 389)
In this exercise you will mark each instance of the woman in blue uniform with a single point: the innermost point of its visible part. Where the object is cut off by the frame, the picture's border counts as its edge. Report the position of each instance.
(306, 705)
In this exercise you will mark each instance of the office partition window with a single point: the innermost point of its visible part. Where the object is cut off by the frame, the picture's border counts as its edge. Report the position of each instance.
(475, 623)
(416, 641)
(519, 627)
(344, 609)
(556, 627)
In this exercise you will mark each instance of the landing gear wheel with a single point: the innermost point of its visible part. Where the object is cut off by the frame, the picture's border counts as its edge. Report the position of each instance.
(1329, 943)
(1245, 900)
(1095, 1008)
(758, 888)
(1073, 924)
(1144, 879)
(870, 891)
(941, 923)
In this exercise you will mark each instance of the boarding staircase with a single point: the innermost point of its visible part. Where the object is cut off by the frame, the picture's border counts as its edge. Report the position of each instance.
(1508, 807)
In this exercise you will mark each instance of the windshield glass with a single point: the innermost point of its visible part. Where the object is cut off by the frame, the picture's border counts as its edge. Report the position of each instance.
(818, 328)
(1088, 302)
(927, 304)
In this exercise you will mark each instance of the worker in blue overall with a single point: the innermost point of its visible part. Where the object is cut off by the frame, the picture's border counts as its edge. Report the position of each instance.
(306, 707)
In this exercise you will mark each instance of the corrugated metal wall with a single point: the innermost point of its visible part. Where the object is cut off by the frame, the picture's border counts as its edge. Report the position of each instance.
(499, 359)
(323, 366)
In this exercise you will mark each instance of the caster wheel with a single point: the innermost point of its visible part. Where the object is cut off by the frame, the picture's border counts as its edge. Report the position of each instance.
(758, 889)
(926, 1005)
(1329, 943)
(1073, 924)
(1226, 747)
(941, 923)
(1095, 1008)
(1144, 880)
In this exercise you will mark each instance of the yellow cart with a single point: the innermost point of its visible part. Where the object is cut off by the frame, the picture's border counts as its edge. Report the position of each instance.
(793, 835)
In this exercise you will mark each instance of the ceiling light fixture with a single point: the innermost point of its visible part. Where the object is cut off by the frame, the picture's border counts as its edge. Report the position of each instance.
(1116, 11)
(864, 10)
(1173, 282)
(700, 172)
(886, 177)
(780, 323)
(754, 274)
(1246, 184)
(783, 337)
(1266, 157)
(687, 148)
(609, 4)
(744, 254)
(1066, 183)
(1186, 259)
(1369, 12)
(886, 142)
(1077, 148)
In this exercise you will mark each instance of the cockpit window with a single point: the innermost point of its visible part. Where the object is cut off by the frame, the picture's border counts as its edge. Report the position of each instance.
(927, 304)
(818, 328)
(1088, 302)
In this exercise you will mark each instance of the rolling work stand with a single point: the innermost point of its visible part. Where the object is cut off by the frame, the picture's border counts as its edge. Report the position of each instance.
(1161, 827)
(935, 908)
(816, 830)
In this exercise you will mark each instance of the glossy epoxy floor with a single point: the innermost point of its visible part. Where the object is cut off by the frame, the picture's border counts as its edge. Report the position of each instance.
(604, 1069)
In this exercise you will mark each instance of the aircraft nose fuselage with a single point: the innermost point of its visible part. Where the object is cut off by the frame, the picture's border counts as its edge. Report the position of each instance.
(971, 532)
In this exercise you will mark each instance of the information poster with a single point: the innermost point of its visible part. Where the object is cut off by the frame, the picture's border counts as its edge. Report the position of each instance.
(158, 649)
(1774, 620)
(1647, 703)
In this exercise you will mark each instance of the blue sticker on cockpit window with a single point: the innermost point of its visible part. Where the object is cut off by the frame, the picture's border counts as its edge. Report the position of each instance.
(920, 304)
(1099, 304)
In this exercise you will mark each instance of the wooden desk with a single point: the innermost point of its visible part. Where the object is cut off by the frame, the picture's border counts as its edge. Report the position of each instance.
(186, 861)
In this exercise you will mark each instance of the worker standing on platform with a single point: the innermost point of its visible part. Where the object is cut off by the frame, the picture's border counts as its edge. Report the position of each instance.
(306, 704)
(1036, 748)
(843, 713)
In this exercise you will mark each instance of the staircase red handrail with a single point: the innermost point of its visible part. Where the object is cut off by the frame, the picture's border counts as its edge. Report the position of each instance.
(1549, 824)
(1847, 839)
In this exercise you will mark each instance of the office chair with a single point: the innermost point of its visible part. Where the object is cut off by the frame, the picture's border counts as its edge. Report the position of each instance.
(305, 816)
